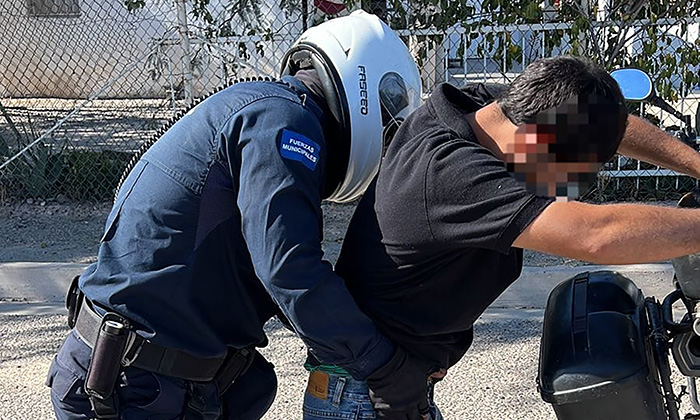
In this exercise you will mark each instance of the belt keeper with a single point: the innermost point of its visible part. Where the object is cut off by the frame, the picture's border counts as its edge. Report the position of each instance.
(133, 347)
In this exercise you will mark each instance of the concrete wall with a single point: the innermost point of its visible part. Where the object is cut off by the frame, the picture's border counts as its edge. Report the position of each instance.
(72, 57)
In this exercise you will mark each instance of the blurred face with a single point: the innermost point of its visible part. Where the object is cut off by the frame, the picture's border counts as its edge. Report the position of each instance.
(531, 161)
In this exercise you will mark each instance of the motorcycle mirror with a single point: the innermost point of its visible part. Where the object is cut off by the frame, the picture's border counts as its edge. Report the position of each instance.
(635, 84)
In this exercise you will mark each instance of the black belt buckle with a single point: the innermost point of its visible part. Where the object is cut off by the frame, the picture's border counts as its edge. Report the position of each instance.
(73, 301)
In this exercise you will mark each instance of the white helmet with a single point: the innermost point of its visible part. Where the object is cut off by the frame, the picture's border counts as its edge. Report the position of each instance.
(370, 82)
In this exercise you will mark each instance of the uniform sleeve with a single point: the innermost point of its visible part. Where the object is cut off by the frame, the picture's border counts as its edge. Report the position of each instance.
(282, 161)
(472, 200)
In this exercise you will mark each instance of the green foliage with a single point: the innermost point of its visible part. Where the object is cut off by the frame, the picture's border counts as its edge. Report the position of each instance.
(658, 26)
(4, 143)
(4, 148)
(92, 174)
(665, 55)
(236, 18)
(133, 5)
(200, 11)
(44, 172)
(46, 169)
(199, 8)
(39, 170)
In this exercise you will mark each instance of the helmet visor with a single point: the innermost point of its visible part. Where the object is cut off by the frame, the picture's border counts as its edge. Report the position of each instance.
(395, 103)
(393, 97)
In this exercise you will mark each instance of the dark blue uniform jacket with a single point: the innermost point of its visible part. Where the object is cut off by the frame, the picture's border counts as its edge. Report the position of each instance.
(220, 222)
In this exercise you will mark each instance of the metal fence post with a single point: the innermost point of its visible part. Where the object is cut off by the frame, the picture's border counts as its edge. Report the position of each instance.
(186, 51)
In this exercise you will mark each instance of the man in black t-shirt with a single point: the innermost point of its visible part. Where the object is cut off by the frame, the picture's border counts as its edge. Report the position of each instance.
(476, 175)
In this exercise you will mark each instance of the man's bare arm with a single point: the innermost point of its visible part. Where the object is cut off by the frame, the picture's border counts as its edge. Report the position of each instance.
(614, 233)
(646, 142)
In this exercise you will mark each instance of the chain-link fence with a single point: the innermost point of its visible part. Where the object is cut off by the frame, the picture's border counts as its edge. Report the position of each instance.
(495, 48)
(83, 83)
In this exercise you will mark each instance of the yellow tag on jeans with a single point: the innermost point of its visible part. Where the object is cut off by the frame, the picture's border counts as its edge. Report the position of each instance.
(318, 385)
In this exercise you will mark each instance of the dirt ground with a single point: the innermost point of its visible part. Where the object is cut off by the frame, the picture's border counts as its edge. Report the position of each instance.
(51, 232)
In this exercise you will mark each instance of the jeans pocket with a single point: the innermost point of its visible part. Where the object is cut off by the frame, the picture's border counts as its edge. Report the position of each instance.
(317, 409)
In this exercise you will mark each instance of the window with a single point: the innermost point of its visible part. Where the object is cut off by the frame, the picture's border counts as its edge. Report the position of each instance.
(53, 8)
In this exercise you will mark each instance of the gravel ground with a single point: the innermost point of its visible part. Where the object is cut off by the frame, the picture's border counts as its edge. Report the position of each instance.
(495, 380)
(51, 232)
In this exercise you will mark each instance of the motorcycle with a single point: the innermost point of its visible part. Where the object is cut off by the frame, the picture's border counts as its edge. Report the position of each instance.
(604, 350)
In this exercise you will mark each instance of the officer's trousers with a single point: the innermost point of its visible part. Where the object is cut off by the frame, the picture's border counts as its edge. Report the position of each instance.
(145, 395)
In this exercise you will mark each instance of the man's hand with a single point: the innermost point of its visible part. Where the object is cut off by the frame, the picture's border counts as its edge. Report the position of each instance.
(399, 389)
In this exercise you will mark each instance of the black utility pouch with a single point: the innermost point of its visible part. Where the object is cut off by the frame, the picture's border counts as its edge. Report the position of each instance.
(107, 355)
(73, 301)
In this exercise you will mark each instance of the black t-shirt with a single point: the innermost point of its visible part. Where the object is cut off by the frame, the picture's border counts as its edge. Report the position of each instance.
(429, 246)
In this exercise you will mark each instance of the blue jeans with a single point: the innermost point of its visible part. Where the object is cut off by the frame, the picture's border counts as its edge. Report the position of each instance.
(144, 395)
(348, 398)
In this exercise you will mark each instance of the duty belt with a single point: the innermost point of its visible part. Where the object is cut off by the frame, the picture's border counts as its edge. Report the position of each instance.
(143, 354)
(116, 345)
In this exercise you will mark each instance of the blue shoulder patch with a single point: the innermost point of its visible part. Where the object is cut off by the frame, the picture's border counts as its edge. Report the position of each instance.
(295, 146)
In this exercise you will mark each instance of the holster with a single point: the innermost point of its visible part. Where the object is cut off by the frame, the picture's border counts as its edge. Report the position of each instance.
(105, 365)
(236, 364)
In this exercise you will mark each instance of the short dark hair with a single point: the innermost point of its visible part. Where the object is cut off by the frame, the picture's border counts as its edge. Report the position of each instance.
(551, 91)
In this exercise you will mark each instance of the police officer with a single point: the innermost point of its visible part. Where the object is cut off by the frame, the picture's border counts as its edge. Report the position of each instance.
(473, 177)
(218, 227)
